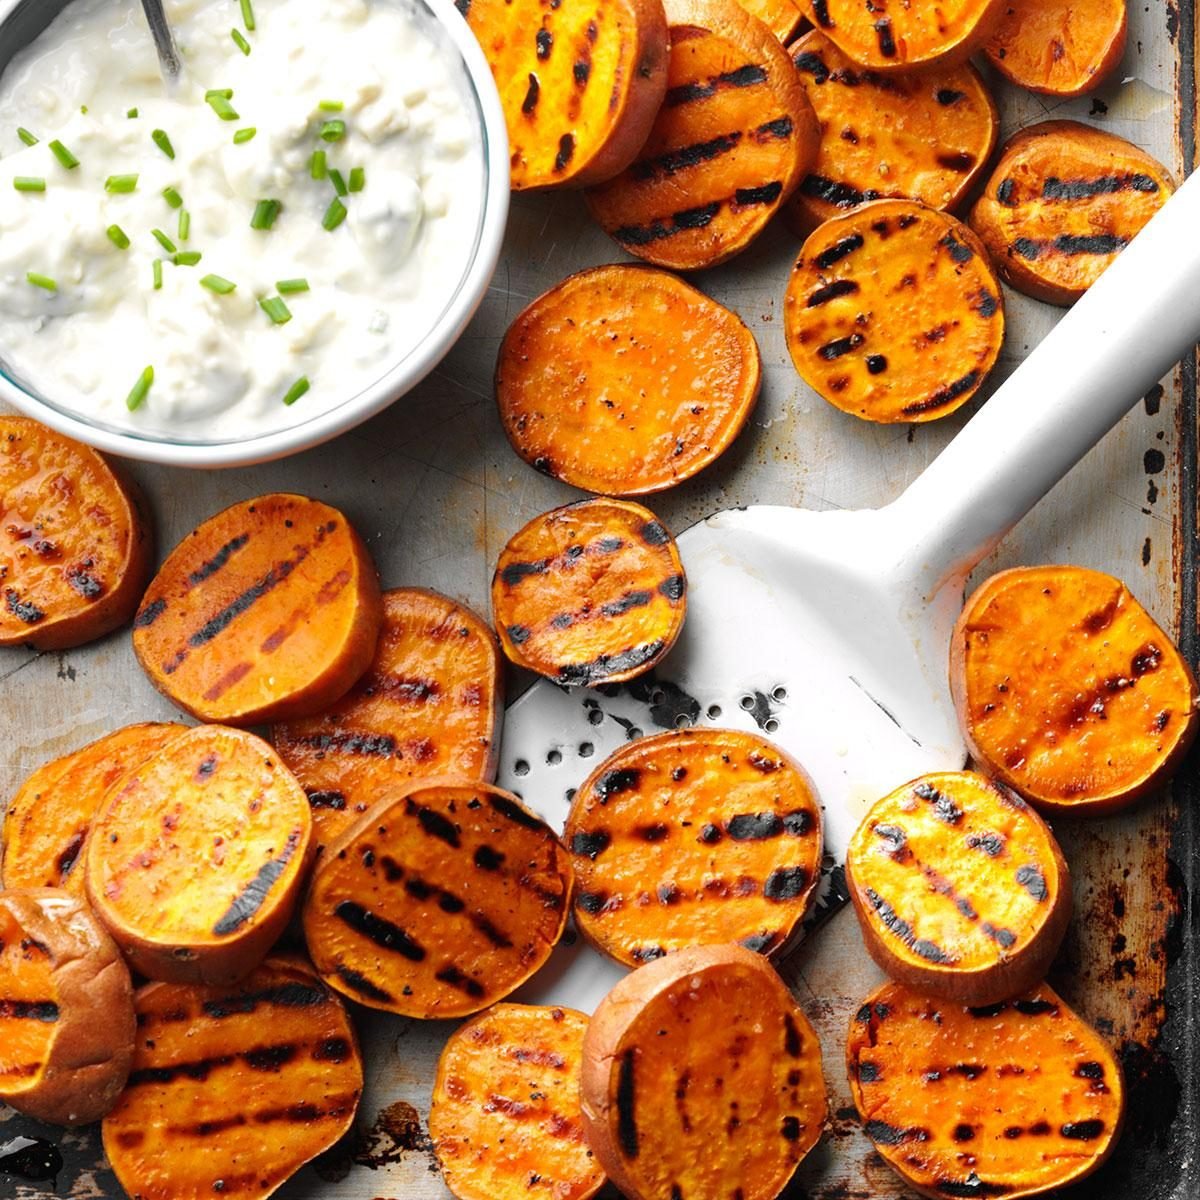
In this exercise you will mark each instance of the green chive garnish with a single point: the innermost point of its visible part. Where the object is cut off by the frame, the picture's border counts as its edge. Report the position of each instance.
(331, 106)
(248, 14)
(185, 224)
(358, 179)
(29, 183)
(83, 108)
(215, 283)
(335, 214)
(64, 155)
(239, 41)
(140, 389)
(26, 136)
(172, 197)
(41, 281)
(275, 308)
(121, 184)
(224, 93)
(297, 390)
(265, 212)
(158, 274)
(163, 142)
(118, 237)
(244, 135)
(164, 241)
(219, 103)
(289, 287)
(318, 168)
(339, 184)
(187, 258)
(333, 131)
(132, 113)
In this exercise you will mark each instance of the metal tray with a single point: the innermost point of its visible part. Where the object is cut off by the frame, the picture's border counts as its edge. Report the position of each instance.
(436, 490)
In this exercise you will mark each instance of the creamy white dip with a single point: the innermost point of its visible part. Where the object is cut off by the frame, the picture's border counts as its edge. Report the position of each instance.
(222, 366)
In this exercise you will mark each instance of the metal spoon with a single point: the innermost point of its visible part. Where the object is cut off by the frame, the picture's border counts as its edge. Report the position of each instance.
(164, 40)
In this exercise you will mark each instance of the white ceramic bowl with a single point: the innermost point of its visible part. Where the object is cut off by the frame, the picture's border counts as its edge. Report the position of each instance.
(21, 21)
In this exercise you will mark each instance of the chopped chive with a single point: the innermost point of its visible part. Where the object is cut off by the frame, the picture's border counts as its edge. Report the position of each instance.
(29, 183)
(140, 389)
(318, 168)
(331, 106)
(164, 241)
(339, 184)
(41, 281)
(221, 106)
(132, 113)
(297, 390)
(265, 213)
(215, 283)
(83, 108)
(289, 287)
(335, 214)
(333, 131)
(121, 184)
(118, 237)
(248, 14)
(64, 155)
(187, 258)
(163, 142)
(26, 136)
(239, 41)
(172, 197)
(244, 135)
(223, 93)
(185, 224)
(275, 308)
(358, 179)
(158, 274)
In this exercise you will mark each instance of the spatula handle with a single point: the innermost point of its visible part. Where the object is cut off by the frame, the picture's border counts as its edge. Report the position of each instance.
(1135, 323)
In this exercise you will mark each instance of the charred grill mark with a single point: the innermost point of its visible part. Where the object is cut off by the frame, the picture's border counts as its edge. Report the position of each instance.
(821, 13)
(884, 1134)
(433, 823)
(1146, 660)
(66, 861)
(532, 93)
(198, 1070)
(455, 978)
(1004, 193)
(487, 859)
(591, 845)
(793, 1043)
(626, 603)
(741, 77)
(812, 64)
(1104, 185)
(518, 634)
(544, 42)
(613, 783)
(1070, 244)
(887, 43)
(895, 841)
(627, 1130)
(24, 610)
(835, 192)
(754, 827)
(785, 883)
(766, 193)
(1035, 1008)
(903, 931)
(688, 218)
(673, 588)
(377, 929)
(208, 569)
(958, 251)
(876, 363)
(945, 395)
(1082, 1131)
(960, 163)
(150, 614)
(83, 582)
(645, 954)
(686, 156)
(515, 572)
(654, 533)
(992, 844)
(44, 1011)
(657, 832)
(288, 995)
(581, 71)
(497, 938)
(1033, 881)
(566, 151)
(944, 808)
(516, 814)
(988, 305)
(334, 1050)
(592, 902)
(334, 800)
(838, 251)
(780, 127)
(840, 346)
(868, 1072)
(363, 986)
(254, 895)
(831, 291)
(270, 1058)
(605, 664)
(1004, 938)
(948, 96)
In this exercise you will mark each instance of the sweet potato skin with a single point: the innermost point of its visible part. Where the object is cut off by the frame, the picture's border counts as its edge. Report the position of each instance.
(505, 1107)
(268, 611)
(69, 576)
(634, 84)
(761, 1034)
(975, 851)
(1010, 1099)
(46, 822)
(89, 1055)
(1091, 604)
(624, 380)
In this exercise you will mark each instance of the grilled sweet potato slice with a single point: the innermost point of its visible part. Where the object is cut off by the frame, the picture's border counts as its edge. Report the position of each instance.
(1068, 691)
(781, 17)
(233, 1089)
(893, 313)
(430, 704)
(1059, 47)
(47, 821)
(1062, 203)
(438, 901)
(268, 611)
(1009, 1099)
(691, 837)
(505, 1119)
(896, 35)
(923, 137)
(624, 380)
(702, 1079)
(196, 858)
(66, 1009)
(580, 84)
(590, 593)
(75, 542)
(733, 138)
(960, 888)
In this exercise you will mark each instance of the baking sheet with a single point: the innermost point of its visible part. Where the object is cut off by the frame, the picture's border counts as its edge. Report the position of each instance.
(436, 490)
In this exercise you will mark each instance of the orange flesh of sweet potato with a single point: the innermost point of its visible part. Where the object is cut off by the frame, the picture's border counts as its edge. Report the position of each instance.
(1010, 1100)
(960, 888)
(66, 1009)
(1068, 691)
(74, 544)
(1060, 47)
(893, 313)
(732, 140)
(1061, 204)
(195, 861)
(438, 901)
(923, 137)
(233, 1089)
(430, 704)
(505, 1119)
(268, 611)
(694, 836)
(702, 1079)
(624, 380)
(896, 35)
(580, 84)
(781, 17)
(47, 821)
(591, 593)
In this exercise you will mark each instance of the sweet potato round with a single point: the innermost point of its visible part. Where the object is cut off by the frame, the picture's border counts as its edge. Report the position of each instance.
(267, 612)
(76, 546)
(46, 822)
(1011, 1099)
(66, 1009)
(925, 137)
(733, 138)
(893, 314)
(1063, 201)
(580, 83)
(781, 17)
(1068, 691)
(505, 1109)
(695, 1067)
(196, 859)
(691, 837)
(1059, 47)
(625, 380)
(590, 593)
(430, 704)
(960, 888)
(233, 1089)
(439, 901)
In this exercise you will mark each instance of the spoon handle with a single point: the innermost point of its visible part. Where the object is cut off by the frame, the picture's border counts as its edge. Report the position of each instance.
(164, 40)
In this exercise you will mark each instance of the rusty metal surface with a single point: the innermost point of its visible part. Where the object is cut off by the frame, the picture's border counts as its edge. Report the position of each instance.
(436, 491)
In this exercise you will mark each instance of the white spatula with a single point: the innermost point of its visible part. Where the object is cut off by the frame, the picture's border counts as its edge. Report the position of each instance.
(830, 630)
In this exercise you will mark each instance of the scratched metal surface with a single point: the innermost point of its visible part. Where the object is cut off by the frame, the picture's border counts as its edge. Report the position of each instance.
(435, 489)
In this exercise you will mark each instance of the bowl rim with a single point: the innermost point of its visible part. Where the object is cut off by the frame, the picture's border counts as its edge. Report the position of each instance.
(402, 376)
